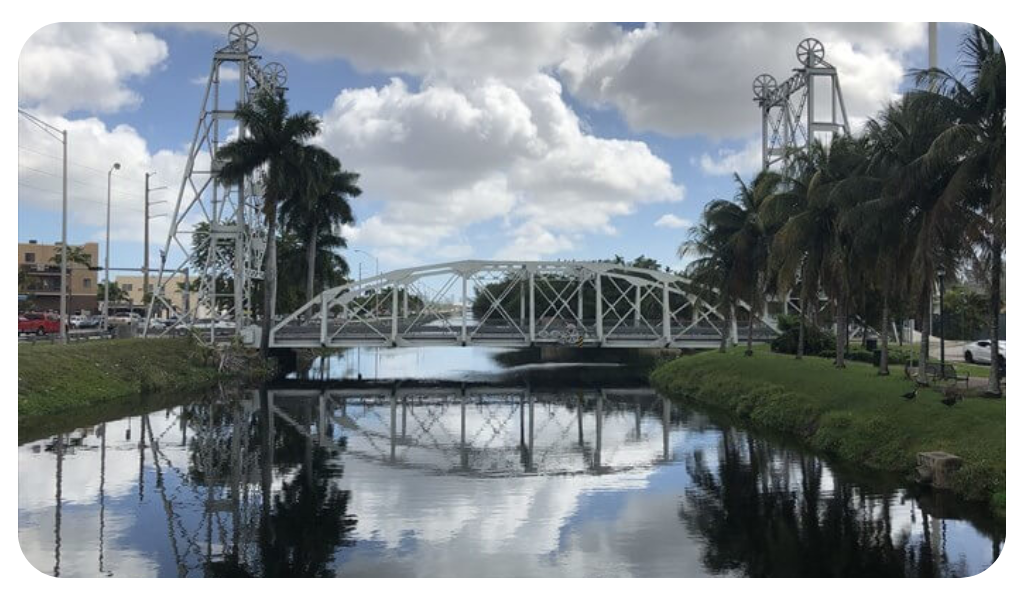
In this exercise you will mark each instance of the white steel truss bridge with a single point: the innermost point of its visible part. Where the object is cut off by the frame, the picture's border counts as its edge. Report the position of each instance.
(516, 304)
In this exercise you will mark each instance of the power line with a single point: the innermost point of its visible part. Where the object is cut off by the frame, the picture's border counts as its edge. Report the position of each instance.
(39, 189)
(79, 198)
(122, 193)
(42, 154)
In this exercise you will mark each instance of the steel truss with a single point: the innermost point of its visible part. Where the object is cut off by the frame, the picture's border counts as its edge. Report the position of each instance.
(788, 120)
(217, 233)
(517, 304)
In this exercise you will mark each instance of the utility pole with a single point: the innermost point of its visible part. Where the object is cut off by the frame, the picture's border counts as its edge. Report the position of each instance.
(63, 138)
(145, 249)
(145, 244)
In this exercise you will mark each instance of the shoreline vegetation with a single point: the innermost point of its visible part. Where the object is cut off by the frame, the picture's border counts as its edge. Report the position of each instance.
(851, 414)
(58, 381)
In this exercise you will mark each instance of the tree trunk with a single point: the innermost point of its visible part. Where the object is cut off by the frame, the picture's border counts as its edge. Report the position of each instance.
(883, 363)
(726, 331)
(310, 266)
(926, 332)
(800, 335)
(269, 280)
(750, 329)
(841, 334)
(995, 302)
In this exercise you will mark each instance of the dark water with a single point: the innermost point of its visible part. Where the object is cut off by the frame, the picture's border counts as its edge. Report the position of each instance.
(510, 470)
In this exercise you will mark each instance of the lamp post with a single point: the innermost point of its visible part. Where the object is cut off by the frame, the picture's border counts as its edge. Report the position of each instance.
(942, 319)
(376, 303)
(106, 253)
(53, 132)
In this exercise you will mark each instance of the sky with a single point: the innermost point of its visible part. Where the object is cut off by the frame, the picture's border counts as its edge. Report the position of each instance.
(534, 141)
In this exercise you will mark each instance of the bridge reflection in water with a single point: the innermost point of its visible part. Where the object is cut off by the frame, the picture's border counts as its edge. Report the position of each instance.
(486, 430)
(467, 480)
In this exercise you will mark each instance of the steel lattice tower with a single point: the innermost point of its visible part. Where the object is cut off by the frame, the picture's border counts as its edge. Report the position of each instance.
(218, 229)
(788, 120)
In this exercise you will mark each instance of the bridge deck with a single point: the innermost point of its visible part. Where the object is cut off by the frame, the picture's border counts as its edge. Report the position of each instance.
(343, 334)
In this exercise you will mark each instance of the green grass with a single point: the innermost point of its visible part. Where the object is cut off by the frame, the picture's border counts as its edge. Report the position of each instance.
(972, 370)
(55, 379)
(852, 414)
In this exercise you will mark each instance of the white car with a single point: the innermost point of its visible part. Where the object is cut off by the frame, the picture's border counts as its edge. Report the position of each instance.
(206, 324)
(981, 351)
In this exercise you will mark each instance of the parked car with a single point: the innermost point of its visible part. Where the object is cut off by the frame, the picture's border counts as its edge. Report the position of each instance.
(981, 352)
(91, 322)
(124, 318)
(38, 323)
(75, 321)
(206, 324)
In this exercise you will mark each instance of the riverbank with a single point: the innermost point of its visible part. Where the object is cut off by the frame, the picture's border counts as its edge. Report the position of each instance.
(852, 414)
(55, 379)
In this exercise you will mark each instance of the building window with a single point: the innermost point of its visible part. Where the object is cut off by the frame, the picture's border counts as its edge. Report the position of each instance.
(127, 287)
(87, 283)
(30, 257)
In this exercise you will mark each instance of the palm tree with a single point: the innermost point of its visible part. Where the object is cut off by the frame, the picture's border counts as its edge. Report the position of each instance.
(847, 271)
(76, 256)
(710, 271)
(274, 147)
(751, 242)
(803, 219)
(973, 147)
(733, 243)
(931, 223)
(117, 293)
(323, 205)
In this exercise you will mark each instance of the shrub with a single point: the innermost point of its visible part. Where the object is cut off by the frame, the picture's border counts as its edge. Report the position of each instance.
(815, 340)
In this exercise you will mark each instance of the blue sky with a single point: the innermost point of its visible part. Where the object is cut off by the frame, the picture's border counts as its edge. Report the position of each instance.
(473, 141)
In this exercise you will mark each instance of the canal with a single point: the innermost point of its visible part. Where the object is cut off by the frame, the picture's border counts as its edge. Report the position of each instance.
(468, 462)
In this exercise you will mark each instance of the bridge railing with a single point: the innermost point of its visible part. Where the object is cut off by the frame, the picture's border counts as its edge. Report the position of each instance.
(512, 304)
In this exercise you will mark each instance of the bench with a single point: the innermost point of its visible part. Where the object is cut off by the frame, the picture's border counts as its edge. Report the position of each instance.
(949, 372)
(936, 371)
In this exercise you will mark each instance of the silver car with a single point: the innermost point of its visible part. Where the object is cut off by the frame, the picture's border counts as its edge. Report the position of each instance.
(981, 351)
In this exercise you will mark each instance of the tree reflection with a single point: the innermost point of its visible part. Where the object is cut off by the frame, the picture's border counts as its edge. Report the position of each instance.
(762, 512)
(302, 514)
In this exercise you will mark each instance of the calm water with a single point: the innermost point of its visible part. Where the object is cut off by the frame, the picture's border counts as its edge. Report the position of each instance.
(482, 466)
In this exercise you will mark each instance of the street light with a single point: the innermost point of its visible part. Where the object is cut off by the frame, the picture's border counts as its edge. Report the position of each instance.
(376, 311)
(106, 257)
(376, 308)
(941, 272)
(52, 132)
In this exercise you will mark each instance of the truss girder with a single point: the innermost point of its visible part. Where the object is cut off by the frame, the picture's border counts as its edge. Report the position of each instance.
(512, 304)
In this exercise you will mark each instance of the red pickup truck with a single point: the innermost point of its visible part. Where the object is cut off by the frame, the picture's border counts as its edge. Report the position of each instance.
(38, 323)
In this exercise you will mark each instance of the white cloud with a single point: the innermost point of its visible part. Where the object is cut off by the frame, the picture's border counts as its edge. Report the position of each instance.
(694, 78)
(85, 66)
(672, 222)
(676, 79)
(448, 50)
(446, 157)
(92, 148)
(726, 161)
(227, 73)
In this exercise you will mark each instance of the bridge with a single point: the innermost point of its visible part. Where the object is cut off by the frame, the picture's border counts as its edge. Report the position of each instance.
(515, 304)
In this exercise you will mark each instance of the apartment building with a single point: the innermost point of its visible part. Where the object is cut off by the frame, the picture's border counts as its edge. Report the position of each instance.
(39, 277)
(132, 285)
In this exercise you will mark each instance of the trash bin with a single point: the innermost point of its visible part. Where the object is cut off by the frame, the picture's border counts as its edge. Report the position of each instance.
(871, 344)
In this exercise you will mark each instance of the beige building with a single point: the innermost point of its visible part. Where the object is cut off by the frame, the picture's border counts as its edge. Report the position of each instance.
(39, 277)
(132, 285)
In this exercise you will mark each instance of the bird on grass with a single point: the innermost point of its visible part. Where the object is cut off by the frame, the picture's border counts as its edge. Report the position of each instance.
(912, 394)
(951, 396)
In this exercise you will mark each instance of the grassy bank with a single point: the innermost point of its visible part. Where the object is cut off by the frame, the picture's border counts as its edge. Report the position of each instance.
(56, 379)
(851, 414)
